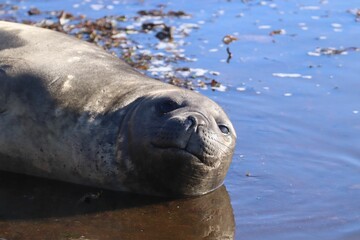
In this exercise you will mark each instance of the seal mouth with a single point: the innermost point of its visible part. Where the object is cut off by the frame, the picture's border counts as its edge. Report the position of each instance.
(185, 154)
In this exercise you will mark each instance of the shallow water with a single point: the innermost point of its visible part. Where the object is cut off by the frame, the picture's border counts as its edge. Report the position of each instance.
(296, 168)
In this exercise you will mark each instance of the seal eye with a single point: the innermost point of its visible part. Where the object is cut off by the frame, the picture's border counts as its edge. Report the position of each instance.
(224, 129)
(167, 106)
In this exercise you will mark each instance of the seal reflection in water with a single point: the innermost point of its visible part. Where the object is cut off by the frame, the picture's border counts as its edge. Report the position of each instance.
(72, 112)
(54, 210)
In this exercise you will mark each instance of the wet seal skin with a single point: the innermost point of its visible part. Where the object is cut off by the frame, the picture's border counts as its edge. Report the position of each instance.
(72, 112)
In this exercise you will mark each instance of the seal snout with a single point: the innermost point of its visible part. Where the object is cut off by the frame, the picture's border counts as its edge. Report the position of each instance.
(204, 140)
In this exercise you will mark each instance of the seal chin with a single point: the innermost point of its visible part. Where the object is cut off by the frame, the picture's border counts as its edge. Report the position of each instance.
(177, 172)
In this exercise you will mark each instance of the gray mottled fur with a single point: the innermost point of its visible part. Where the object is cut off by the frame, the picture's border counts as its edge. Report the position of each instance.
(67, 110)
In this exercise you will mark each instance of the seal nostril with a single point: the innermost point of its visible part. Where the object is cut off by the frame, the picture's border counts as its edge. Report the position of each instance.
(190, 122)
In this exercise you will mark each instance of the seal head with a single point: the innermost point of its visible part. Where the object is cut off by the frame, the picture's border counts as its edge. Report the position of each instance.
(180, 143)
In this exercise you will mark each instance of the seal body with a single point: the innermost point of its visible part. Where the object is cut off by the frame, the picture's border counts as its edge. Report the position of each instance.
(72, 112)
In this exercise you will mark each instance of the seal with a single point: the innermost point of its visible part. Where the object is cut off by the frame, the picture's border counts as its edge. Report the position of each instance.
(71, 111)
